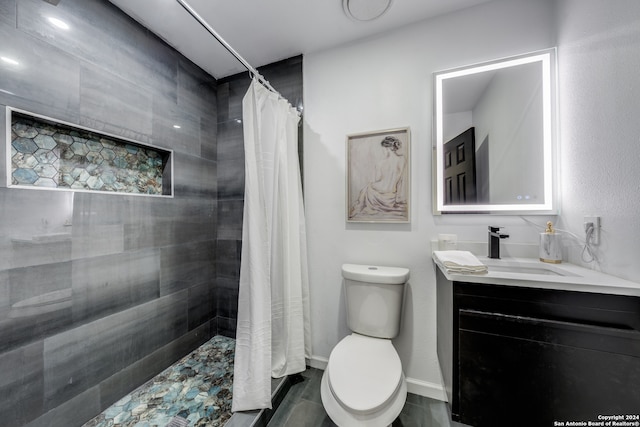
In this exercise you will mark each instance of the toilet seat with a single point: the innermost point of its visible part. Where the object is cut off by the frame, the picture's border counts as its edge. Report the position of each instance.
(364, 373)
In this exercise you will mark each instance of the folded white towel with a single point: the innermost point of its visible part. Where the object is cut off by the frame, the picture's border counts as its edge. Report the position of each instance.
(460, 262)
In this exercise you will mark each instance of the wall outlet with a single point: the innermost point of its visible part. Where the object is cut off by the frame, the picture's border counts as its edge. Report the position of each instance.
(592, 221)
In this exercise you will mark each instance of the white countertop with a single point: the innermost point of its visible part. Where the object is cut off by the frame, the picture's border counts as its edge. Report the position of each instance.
(571, 278)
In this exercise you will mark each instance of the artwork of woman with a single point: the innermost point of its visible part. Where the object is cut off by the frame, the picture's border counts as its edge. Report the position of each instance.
(383, 196)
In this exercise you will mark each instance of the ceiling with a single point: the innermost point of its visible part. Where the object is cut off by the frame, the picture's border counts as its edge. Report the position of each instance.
(266, 31)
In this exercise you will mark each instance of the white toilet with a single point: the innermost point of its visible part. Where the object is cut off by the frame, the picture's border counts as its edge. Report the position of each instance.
(363, 384)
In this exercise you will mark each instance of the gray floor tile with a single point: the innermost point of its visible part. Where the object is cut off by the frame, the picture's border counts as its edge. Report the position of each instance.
(304, 414)
(311, 394)
(242, 419)
(303, 407)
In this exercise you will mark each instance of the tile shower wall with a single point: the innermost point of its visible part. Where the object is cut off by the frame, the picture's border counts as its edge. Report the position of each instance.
(286, 77)
(98, 293)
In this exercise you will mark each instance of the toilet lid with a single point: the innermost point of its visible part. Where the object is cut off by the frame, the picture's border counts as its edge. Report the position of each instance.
(364, 372)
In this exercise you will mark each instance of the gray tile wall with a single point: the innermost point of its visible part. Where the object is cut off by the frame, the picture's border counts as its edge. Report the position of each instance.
(136, 282)
(286, 77)
(132, 279)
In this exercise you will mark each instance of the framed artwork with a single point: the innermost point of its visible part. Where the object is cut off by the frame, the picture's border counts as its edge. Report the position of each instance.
(378, 176)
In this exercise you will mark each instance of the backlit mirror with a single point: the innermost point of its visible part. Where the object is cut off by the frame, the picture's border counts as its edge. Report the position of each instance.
(494, 136)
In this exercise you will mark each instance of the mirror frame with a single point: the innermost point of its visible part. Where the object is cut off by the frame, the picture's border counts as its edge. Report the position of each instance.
(547, 58)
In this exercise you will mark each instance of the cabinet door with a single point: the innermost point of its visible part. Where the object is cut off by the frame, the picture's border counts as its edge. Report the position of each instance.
(524, 371)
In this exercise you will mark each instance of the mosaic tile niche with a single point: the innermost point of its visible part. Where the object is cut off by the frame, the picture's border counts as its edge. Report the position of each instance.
(49, 154)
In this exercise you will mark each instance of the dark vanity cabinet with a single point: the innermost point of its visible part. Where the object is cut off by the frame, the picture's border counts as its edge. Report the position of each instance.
(520, 356)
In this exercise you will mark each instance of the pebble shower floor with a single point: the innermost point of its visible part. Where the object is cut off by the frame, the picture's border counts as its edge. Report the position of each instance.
(197, 388)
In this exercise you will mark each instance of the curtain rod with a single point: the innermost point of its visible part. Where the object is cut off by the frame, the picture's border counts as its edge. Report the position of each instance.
(227, 46)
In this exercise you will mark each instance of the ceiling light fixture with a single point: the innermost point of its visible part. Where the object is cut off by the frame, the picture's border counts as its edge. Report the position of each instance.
(365, 10)
(9, 61)
(59, 23)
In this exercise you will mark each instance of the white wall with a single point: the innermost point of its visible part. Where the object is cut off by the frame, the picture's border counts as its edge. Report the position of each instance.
(599, 90)
(381, 83)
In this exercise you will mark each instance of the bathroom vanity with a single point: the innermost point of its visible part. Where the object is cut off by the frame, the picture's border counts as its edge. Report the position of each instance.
(532, 344)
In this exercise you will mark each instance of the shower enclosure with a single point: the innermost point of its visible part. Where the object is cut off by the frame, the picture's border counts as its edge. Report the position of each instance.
(144, 280)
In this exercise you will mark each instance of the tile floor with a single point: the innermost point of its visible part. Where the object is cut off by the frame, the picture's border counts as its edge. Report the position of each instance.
(197, 389)
(302, 407)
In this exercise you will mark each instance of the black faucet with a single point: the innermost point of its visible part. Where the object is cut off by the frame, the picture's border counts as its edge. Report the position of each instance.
(494, 241)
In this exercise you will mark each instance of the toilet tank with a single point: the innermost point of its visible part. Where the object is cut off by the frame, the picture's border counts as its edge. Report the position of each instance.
(374, 297)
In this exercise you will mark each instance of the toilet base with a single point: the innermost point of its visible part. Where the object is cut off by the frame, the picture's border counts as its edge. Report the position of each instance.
(383, 417)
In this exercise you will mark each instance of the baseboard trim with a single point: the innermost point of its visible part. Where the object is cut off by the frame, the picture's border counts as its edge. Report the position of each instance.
(318, 362)
(415, 386)
(426, 389)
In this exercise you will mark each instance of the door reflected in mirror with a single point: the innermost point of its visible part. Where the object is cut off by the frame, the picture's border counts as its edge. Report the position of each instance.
(494, 136)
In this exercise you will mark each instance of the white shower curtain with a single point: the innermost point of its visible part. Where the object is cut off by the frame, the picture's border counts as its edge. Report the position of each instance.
(273, 334)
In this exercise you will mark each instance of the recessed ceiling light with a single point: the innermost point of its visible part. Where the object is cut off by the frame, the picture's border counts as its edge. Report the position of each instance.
(365, 10)
(8, 60)
(58, 23)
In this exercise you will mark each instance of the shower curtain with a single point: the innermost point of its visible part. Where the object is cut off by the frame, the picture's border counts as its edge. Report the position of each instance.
(273, 334)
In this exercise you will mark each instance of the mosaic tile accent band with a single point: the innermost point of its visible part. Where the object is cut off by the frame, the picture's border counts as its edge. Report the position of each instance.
(53, 155)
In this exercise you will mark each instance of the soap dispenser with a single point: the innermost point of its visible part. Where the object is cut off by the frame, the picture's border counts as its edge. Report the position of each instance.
(550, 245)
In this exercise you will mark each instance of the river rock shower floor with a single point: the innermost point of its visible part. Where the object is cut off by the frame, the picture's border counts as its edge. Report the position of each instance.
(198, 387)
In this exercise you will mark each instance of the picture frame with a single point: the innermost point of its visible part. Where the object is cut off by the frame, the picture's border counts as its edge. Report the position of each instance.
(378, 175)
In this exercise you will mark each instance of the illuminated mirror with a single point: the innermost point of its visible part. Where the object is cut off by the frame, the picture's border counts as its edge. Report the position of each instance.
(494, 136)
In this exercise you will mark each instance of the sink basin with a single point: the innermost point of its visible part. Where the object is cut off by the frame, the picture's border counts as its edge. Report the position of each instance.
(526, 268)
